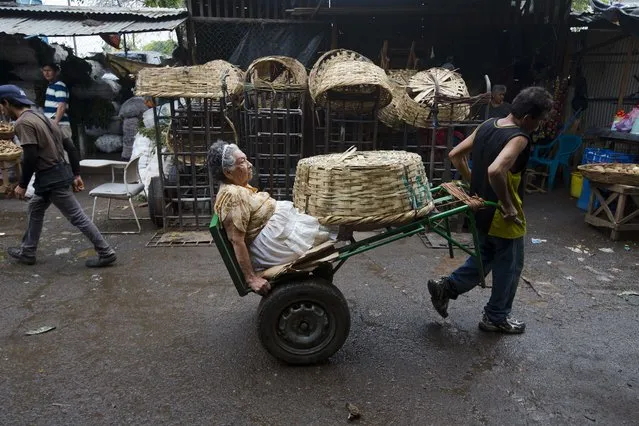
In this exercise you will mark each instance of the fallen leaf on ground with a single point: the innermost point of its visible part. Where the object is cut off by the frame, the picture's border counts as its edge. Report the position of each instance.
(353, 412)
(628, 293)
(606, 250)
(40, 330)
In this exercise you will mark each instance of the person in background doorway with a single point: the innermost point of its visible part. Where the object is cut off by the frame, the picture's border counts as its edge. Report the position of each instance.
(449, 63)
(496, 108)
(56, 102)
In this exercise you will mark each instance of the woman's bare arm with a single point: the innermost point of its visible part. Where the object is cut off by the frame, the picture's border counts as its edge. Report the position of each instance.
(237, 238)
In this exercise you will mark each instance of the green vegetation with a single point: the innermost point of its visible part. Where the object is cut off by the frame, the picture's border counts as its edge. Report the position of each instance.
(163, 46)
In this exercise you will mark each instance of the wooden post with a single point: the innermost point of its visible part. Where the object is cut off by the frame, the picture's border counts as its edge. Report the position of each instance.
(334, 35)
(384, 61)
(623, 86)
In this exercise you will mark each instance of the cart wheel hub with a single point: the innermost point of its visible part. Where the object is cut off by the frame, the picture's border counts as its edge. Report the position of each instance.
(304, 325)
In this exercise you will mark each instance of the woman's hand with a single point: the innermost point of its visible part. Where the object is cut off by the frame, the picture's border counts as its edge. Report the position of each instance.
(259, 285)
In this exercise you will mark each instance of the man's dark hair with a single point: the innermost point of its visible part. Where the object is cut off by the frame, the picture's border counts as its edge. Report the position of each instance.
(52, 65)
(533, 101)
(14, 103)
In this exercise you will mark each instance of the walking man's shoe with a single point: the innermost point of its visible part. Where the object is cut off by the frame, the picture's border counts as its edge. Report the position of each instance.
(101, 261)
(507, 326)
(438, 296)
(16, 253)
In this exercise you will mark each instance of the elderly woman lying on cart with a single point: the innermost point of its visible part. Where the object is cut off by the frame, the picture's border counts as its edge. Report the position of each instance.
(305, 318)
(264, 232)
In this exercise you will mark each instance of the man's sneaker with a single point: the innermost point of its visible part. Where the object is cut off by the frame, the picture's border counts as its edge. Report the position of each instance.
(16, 253)
(101, 261)
(508, 326)
(438, 296)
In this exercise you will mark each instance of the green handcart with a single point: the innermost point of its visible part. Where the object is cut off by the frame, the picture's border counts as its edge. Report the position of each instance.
(305, 318)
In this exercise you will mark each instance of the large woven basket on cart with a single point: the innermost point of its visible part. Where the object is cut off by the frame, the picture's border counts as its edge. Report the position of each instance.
(281, 81)
(441, 87)
(363, 190)
(199, 81)
(362, 84)
(612, 173)
(9, 151)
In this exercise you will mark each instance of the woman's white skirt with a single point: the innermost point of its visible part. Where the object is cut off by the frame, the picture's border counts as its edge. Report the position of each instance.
(287, 236)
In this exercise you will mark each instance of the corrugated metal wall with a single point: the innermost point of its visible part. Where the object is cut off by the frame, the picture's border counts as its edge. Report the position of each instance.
(603, 69)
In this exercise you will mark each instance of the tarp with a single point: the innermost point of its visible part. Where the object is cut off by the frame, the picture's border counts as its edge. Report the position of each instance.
(625, 15)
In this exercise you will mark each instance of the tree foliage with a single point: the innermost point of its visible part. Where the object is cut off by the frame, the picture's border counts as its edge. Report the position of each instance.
(163, 46)
(580, 5)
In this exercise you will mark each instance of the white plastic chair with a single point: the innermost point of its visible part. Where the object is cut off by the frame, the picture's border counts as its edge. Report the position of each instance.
(130, 187)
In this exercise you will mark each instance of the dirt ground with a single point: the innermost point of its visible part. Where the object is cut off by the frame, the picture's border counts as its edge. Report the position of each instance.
(163, 337)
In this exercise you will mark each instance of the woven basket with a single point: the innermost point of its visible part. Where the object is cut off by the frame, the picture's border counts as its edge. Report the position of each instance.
(6, 131)
(349, 73)
(612, 173)
(360, 189)
(424, 85)
(277, 73)
(402, 108)
(9, 151)
(200, 81)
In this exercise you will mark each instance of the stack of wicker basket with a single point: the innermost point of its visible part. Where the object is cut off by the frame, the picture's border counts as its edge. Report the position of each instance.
(363, 190)
(348, 73)
(209, 81)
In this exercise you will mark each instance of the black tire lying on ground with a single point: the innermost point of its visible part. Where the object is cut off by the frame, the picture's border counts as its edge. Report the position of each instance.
(303, 322)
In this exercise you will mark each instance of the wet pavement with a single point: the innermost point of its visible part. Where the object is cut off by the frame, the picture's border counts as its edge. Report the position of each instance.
(163, 337)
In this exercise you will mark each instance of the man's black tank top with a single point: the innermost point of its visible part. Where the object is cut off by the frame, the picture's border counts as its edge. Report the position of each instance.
(490, 140)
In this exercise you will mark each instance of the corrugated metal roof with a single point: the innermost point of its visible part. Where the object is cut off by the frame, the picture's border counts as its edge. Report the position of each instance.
(151, 13)
(81, 21)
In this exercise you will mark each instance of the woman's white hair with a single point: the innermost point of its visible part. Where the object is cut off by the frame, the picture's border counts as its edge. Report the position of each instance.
(221, 158)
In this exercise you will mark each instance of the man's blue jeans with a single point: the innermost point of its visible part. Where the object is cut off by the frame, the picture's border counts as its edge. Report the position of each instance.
(505, 258)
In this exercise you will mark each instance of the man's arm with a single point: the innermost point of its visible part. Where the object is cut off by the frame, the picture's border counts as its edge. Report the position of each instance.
(459, 156)
(29, 143)
(237, 238)
(59, 113)
(498, 174)
(74, 156)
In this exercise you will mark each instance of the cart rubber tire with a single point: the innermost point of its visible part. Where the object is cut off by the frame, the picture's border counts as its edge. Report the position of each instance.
(155, 202)
(303, 322)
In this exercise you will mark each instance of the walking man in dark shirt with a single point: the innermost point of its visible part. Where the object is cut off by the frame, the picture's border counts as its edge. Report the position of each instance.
(42, 144)
(500, 149)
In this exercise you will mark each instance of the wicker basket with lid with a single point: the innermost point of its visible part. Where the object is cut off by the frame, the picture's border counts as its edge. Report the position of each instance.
(365, 189)
(350, 74)
(198, 81)
(425, 86)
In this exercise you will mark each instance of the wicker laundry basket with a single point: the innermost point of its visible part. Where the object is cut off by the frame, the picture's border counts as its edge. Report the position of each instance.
(425, 85)
(349, 73)
(363, 190)
(199, 81)
(612, 173)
